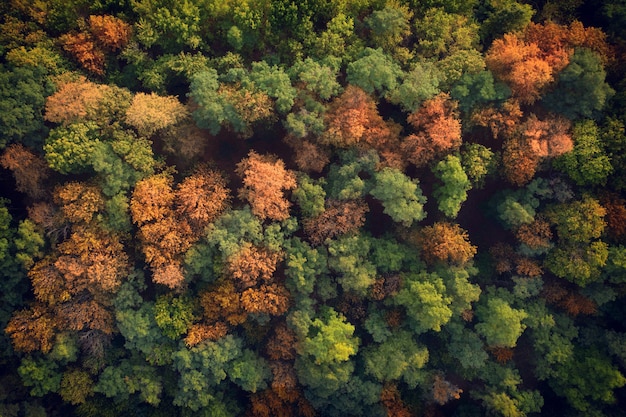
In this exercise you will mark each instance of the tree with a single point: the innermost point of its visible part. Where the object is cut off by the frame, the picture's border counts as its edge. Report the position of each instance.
(588, 163)
(330, 339)
(478, 162)
(71, 149)
(426, 302)
(453, 192)
(352, 119)
(28, 168)
(374, 71)
(251, 265)
(202, 197)
(389, 27)
(22, 98)
(441, 33)
(500, 324)
(421, 83)
(348, 256)
(400, 357)
(110, 32)
(445, 242)
(588, 378)
(519, 64)
(73, 101)
(578, 263)
(264, 181)
(581, 90)
(438, 130)
(475, 90)
(401, 196)
(82, 46)
(32, 329)
(149, 113)
(579, 221)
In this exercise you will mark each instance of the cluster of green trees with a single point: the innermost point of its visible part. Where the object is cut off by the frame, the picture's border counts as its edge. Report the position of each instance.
(315, 208)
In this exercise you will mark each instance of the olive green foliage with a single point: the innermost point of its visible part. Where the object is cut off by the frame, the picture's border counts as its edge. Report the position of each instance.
(452, 192)
(401, 196)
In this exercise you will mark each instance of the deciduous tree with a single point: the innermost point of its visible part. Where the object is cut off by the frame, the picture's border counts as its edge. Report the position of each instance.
(29, 169)
(265, 179)
(438, 130)
(445, 242)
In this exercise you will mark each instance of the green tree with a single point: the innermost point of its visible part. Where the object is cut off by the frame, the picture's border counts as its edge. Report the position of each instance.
(201, 369)
(453, 192)
(22, 98)
(479, 162)
(587, 163)
(317, 78)
(418, 85)
(374, 71)
(473, 90)
(310, 196)
(41, 374)
(499, 323)
(400, 195)
(400, 357)
(578, 221)
(587, 379)
(441, 33)
(580, 264)
(581, 91)
(389, 27)
(129, 377)
(71, 149)
(500, 17)
(330, 339)
(173, 315)
(426, 301)
(348, 256)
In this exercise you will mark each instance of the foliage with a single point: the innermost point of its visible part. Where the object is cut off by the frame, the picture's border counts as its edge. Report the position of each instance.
(219, 208)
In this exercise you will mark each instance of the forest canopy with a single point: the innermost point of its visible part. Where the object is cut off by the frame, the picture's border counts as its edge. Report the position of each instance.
(384, 208)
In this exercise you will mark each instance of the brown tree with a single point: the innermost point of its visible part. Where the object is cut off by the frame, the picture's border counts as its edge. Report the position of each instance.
(32, 329)
(200, 332)
(110, 32)
(392, 401)
(272, 299)
(79, 202)
(444, 391)
(222, 302)
(281, 344)
(308, 155)
(352, 118)
(29, 170)
(445, 242)
(265, 180)
(535, 235)
(615, 215)
(339, 218)
(438, 130)
(201, 198)
(72, 101)
(85, 50)
(251, 264)
(521, 66)
(500, 120)
(519, 161)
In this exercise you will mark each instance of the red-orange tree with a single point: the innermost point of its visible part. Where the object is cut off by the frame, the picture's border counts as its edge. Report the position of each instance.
(265, 180)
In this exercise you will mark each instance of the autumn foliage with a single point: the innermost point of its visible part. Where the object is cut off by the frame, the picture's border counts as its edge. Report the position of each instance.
(437, 131)
(171, 220)
(110, 32)
(570, 300)
(445, 242)
(29, 170)
(265, 180)
(339, 218)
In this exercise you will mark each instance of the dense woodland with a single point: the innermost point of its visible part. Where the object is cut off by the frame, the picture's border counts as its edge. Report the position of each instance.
(313, 208)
